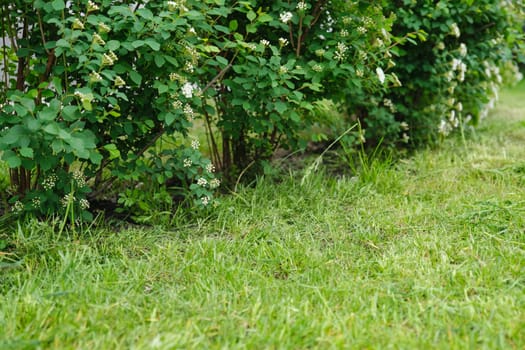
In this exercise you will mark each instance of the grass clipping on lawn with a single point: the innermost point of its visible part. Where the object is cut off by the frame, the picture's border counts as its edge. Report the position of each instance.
(429, 253)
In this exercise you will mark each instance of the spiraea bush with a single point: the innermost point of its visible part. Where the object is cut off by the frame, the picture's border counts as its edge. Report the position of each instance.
(107, 92)
(452, 78)
(104, 96)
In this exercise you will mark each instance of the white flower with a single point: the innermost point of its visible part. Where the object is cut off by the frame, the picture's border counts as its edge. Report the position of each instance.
(17, 207)
(444, 128)
(205, 200)
(404, 126)
(283, 70)
(454, 30)
(361, 30)
(97, 39)
(462, 49)
(264, 42)
(286, 17)
(79, 178)
(94, 77)
(84, 204)
(340, 52)
(36, 202)
(385, 34)
(283, 42)
(317, 68)
(187, 162)
(176, 104)
(188, 67)
(405, 138)
(77, 24)
(187, 90)
(92, 6)
(107, 60)
(302, 6)
(68, 198)
(195, 144)
(455, 63)
(103, 28)
(188, 111)
(452, 116)
(210, 168)
(49, 182)
(359, 73)
(202, 182)
(396, 80)
(214, 183)
(320, 52)
(119, 81)
(380, 75)
(344, 33)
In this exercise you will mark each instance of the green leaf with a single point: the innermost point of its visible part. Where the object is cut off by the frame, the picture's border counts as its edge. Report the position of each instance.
(161, 87)
(169, 118)
(251, 15)
(155, 46)
(233, 25)
(48, 113)
(14, 135)
(70, 113)
(135, 77)
(222, 29)
(12, 159)
(159, 60)
(26, 152)
(52, 129)
(145, 13)
(58, 5)
(222, 60)
(114, 153)
(281, 107)
(137, 43)
(113, 45)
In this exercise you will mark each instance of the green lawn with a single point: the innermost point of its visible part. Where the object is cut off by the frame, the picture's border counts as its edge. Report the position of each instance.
(427, 254)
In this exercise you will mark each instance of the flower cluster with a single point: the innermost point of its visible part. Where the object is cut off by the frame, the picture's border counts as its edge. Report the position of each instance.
(454, 30)
(17, 207)
(97, 39)
(283, 42)
(188, 89)
(91, 6)
(79, 178)
(301, 6)
(340, 51)
(109, 59)
(195, 144)
(119, 81)
(286, 17)
(380, 75)
(49, 182)
(103, 28)
(95, 77)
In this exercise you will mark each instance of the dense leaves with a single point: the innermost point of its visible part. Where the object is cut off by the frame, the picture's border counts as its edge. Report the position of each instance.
(106, 98)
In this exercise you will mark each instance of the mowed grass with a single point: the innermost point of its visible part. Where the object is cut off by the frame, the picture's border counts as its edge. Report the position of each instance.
(428, 253)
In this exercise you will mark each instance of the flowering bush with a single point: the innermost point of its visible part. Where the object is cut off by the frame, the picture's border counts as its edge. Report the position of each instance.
(275, 60)
(90, 91)
(100, 93)
(450, 79)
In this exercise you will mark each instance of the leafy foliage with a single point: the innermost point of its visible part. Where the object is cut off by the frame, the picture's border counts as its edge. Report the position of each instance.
(104, 96)
(451, 79)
